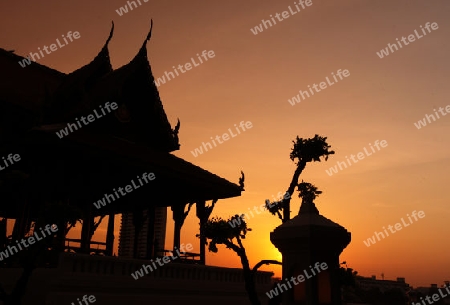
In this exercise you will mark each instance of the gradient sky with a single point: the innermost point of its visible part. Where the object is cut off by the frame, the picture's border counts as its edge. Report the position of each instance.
(252, 77)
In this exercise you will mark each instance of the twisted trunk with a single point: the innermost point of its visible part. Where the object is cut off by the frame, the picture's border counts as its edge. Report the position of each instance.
(250, 286)
(265, 262)
(287, 202)
(249, 280)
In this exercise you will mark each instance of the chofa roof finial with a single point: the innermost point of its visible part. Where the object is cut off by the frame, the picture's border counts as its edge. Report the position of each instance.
(150, 32)
(149, 35)
(110, 33)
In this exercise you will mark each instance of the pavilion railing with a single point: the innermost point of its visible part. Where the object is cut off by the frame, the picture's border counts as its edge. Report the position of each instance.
(76, 249)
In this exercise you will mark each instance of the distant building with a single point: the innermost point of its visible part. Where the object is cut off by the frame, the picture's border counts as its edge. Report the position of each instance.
(419, 293)
(426, 290)
(126, 237)
(368, 283)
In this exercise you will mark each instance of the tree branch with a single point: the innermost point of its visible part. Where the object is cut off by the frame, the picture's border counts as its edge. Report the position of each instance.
(208, 210)
(188, 210)
(98, 223)
(240, 242)
(265, 262)
(294, 182)
(233, 247)
(279, 215)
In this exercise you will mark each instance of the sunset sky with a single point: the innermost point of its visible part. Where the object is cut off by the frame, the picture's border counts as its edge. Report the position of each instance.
(251, 77)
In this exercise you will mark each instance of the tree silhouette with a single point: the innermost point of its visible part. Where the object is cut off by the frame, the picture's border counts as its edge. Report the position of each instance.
(304, 151)
(219, 231)
(347, 277)
(347, 281)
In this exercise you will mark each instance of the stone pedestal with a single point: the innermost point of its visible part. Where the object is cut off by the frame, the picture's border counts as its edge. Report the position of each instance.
(306, 242)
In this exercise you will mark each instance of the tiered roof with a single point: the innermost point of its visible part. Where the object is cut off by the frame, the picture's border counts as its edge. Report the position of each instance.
(36, 101)
(140, 118)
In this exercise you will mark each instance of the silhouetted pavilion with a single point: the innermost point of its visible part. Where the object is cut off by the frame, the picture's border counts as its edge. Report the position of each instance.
(36, 101)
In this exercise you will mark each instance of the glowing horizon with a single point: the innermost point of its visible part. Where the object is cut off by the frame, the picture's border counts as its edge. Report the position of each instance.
(252, 77)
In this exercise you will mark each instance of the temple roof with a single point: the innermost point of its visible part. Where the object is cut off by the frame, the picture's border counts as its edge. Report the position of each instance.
(135, 137)
(53, 97)
(26, 87)
(69, 99)
(140, 117)
(208, 185)
(143, 117)
(85, 166)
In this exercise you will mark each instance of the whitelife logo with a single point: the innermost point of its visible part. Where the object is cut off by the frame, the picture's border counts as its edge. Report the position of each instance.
(169, 75)
(86, 299)
(284, 15)
(90, 118)
(423, 123)
(274, 292)
(123, 10)
(27, 61)
(360, 155)
(224, 137)
(50, 229)
(10, 161)
(398, 227)
(238, 220)
(102, 202)
(165, 260)
(411, 38)
(435, 296)
(323, 85)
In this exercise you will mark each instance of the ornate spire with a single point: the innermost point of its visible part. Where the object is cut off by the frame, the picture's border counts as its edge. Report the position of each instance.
(143, 50)
(69, 98)
(110, 36)
(104, 51)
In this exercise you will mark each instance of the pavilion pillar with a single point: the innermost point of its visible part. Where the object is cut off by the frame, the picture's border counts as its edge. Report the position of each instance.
(3, 232)
(151, 215)
(60, 238)
(86, 231)
(22, 221)
(201, 214)
(178, 218)
(110, 235)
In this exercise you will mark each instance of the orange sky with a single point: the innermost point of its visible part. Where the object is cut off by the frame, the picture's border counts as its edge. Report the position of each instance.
(251, 79)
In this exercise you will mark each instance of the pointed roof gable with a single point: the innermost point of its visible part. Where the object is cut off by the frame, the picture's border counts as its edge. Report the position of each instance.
(141, 113)
(69, 98)
(26, 86)
(140, 118)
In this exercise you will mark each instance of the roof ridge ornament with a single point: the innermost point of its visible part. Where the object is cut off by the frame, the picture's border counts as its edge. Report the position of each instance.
(143, 50)
(149, 35)
(175, 131)
(110, 35)
(150, 32)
